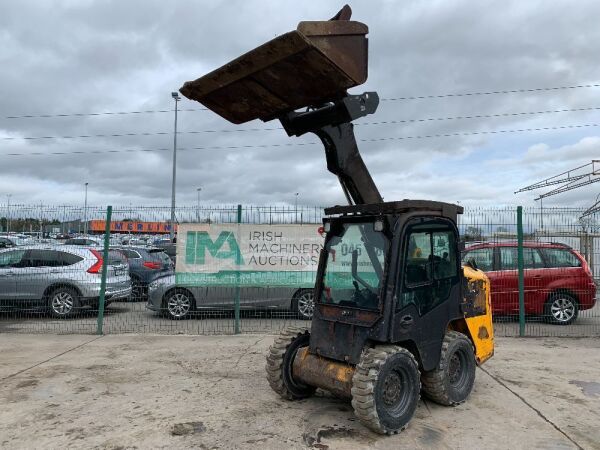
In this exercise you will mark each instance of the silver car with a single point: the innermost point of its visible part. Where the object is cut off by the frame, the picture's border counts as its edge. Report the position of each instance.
(62, 278)
(179, 301)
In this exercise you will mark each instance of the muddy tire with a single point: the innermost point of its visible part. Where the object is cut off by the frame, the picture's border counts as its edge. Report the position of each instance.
(279, 364)
(451, 382)
(386, 388)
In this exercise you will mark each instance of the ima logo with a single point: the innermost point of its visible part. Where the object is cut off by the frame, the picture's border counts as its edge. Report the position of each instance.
(200, 242)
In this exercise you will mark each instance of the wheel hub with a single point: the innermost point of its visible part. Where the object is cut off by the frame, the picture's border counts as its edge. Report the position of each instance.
(306, 305)
(392, 389)
(454, 369)
(62, 303)
(179, 305)
(562, 309)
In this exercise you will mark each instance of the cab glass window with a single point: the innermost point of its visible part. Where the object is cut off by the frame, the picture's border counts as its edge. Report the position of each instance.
(355, 266)
(430, 266)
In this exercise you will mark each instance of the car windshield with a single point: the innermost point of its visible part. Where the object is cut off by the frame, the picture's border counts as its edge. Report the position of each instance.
(355, 266)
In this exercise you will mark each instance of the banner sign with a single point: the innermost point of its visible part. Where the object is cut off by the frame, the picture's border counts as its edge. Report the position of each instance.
(131, 226)
(248, 255)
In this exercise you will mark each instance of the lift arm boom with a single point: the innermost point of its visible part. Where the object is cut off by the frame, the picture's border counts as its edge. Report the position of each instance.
(333, 125)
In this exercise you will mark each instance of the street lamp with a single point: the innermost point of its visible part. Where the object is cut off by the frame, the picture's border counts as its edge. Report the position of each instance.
(176, 97)
(296, 207)
(8, 213)
(198, 206)
(85, 224)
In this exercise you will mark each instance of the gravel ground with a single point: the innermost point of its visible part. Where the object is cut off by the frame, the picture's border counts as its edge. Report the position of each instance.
(145, 391)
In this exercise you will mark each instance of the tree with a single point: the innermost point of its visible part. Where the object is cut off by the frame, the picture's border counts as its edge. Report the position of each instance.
(473, 233)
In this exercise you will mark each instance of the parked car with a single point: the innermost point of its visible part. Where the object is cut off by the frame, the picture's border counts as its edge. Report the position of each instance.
(168, 247)
(88, 242)
(14, 240)
(6, 242)
(177, 301)
(558, 280)
(145, 264)
(61, 278)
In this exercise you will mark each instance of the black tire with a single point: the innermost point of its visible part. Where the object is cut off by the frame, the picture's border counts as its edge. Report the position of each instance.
(279, 364)
(63, 302)
(139, 290)
(561, 309)
(303, 304)
(386, 388)
(451, 382)
(178, 304)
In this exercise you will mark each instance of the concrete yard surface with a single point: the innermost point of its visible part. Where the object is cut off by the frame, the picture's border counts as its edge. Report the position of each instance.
(142, 391)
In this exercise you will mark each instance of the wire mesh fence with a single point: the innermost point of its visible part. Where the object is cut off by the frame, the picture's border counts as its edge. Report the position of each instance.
(50, 258)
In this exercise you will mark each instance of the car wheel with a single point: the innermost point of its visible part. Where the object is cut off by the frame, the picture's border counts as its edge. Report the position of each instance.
(138, 290)
(63, 302)
(304, 304)
(561, 309)
(179, 304)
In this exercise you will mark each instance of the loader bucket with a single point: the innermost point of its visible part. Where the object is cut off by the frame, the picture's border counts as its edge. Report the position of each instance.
(310, 66)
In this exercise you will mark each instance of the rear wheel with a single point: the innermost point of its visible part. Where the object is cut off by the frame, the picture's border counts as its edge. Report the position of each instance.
(304, 304)
(561, 309)
(386, 388)
(139, 290)
(451, 382)
(178, 304)
(63, 302)
(279, 364)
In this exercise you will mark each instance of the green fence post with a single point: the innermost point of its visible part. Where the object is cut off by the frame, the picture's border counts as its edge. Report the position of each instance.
(104, 268)
(237, 284)
(521, 271)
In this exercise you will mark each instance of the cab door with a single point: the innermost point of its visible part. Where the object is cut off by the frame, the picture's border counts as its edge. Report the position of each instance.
(428, 290)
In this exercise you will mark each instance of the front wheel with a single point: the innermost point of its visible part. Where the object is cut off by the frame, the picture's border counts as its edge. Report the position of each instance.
(451, 382)
(561, 309)
(386, 388)
(178, 304)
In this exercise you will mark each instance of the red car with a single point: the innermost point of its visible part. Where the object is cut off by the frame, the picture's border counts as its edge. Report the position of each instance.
(558, 280)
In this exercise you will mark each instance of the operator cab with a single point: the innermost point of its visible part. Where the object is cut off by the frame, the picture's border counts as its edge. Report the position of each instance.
(387, 268)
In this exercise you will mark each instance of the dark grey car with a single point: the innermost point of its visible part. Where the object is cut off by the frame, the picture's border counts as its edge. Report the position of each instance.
(60, 278)
(178, 301)
(145, 264)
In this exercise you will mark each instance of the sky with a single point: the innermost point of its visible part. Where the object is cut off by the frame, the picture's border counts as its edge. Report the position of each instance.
(70, 59)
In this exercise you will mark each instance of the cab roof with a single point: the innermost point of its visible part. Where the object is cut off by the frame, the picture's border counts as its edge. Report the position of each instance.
(443, 209)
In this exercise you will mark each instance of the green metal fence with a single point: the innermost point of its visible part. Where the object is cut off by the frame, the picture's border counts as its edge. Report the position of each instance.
(539, 288)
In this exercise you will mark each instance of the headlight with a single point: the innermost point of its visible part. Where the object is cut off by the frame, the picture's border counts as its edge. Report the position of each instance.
(153, 284)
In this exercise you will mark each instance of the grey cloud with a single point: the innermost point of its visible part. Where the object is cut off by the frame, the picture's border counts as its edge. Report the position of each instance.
(122, 56)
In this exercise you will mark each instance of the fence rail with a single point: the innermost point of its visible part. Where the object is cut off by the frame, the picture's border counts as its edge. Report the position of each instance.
(554, 281)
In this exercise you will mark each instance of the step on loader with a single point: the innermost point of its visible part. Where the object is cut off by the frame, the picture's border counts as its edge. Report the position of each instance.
(395, 313)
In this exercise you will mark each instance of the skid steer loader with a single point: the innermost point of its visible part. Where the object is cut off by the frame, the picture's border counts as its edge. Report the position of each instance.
(395, 313)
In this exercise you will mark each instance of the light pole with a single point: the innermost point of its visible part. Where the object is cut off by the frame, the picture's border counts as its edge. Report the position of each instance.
(198, 206)
(176, 97)
(85, 224)
(8, 213)
(296, 207)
